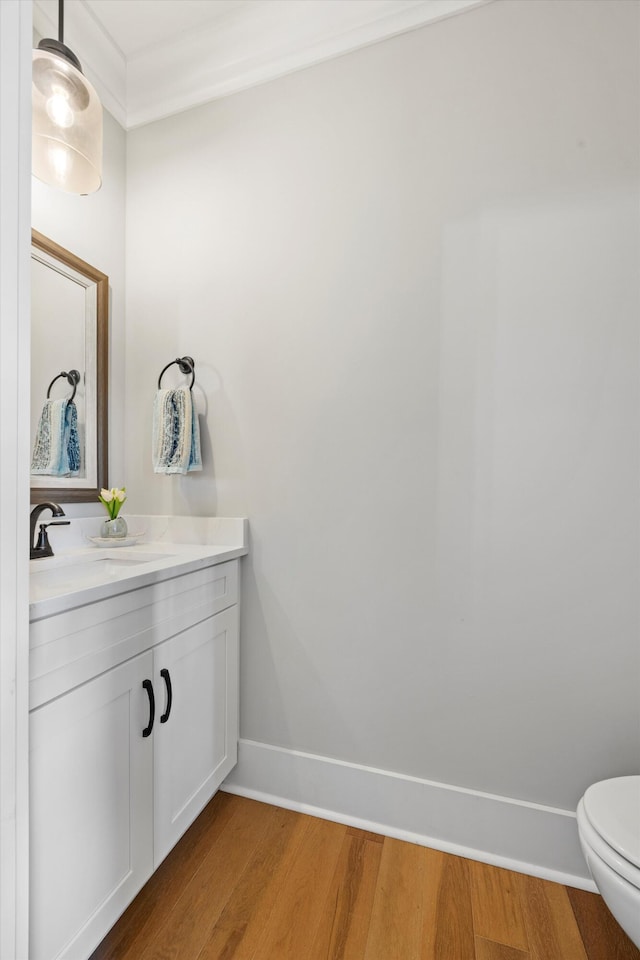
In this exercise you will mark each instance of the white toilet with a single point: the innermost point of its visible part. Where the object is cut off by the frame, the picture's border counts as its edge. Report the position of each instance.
(609, 828)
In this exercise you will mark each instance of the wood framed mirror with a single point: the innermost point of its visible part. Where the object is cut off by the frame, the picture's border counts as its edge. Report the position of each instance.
(69, 375)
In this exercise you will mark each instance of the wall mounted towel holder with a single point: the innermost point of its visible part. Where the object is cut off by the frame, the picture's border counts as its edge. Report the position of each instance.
(186, 365)
(73, 378)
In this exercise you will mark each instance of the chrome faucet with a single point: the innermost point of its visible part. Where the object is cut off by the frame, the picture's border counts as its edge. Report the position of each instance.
(43, 548)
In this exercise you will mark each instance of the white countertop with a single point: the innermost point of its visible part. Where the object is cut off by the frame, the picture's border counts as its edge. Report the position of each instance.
(165, 547)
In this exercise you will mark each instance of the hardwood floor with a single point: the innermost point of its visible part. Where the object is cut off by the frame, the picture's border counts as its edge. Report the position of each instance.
(250, 881)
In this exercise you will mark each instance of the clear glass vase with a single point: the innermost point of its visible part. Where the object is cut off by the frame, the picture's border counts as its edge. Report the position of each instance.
(114, 529)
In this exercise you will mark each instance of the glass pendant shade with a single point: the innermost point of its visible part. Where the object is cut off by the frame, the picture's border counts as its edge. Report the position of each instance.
(67, 122)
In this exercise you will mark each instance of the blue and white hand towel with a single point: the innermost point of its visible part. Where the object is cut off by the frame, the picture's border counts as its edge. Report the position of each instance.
(176, 432)
(56, 450)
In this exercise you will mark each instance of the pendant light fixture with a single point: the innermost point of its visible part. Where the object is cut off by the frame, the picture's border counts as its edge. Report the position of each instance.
(67, 119)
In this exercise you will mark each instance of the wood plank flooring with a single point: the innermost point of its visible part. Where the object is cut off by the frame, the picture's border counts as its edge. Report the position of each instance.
(250, 881)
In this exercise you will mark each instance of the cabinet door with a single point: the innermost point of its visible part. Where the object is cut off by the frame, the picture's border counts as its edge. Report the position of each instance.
(196, 747)
(91, 794)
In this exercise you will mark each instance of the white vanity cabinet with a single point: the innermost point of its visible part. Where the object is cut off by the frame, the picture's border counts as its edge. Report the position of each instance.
(196, 747)
(91, 791)
(133, 725)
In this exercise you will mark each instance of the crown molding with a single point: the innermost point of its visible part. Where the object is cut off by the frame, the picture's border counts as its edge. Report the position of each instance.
(250, 45)
(257, 45)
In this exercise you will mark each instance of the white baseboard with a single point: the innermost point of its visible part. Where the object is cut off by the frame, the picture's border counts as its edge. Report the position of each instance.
(526, 837)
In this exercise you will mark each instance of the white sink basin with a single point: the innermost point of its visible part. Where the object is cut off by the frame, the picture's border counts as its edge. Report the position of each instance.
(85, 571)
(64, 575)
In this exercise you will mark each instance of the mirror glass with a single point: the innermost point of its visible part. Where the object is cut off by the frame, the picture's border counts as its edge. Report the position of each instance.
(69, 343)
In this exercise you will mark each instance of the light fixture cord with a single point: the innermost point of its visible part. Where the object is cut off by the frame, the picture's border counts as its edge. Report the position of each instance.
(61, 21)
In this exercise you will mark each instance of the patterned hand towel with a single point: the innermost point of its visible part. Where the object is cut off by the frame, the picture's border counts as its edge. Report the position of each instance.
(195, 454)
(56, 450)
(71, 441)
(176, 434)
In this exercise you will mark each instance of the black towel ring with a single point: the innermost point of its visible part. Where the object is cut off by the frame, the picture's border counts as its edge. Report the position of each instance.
(73, 378)
(187, 366)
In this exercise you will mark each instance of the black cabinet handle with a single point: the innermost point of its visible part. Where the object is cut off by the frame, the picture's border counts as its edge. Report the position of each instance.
(164, 673)
(148, 686)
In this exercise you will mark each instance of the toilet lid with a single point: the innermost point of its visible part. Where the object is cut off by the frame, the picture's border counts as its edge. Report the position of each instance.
(613, 808)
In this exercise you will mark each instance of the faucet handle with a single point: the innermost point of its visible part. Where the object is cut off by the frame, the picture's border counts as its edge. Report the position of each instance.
(43, 547)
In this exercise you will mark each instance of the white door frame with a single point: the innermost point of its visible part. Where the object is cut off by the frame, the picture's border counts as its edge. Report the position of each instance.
(15, 247)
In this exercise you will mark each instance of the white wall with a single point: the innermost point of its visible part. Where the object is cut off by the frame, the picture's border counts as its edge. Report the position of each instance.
(93, 228)
(408, 278)
(15, 151)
